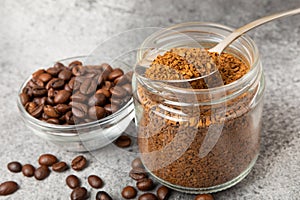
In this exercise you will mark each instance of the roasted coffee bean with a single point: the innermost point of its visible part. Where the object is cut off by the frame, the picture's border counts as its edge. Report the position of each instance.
(78, 97)
(128, 88)
(53, 71)
(69, 118)
(36, 74)
(41, 173)
(50, 101)
(60, 166)
(58, 65)
(77, 68)
(95, 181)
(105, 92)
(147, 196)
(97, 100)
(108, 85)
(55, 83)
(106, 68)
(39, 101)
(97, 112)
(8, 188)
(79, 193)
(163, 192)
(120, 80)
(79, 109)
(72, 181)
(14, 167)
(204, 197)
(111, 108)
(47, 159)
(34, 83)
(145, 184)
(45, 77)
(118, 92)
(123, 141)
(67, 88)
(102, 195)
(79, 163)
(51, 92)
(30, 106)
(115, 74)
(62, 96)
(65, 74)
(138, 174)
(28, 170)
(129, 192)
(137, 163)
(51, 112)
(37, 111)
(88, 86)
(62, 108)
(39, 91)
(24, 98)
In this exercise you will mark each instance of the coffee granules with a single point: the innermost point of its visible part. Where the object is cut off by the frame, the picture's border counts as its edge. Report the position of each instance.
(184, 134)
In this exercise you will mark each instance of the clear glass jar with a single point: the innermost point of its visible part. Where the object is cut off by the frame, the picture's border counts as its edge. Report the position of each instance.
(198, 140)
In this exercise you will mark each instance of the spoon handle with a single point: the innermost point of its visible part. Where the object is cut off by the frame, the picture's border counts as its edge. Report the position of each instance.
(238, 32)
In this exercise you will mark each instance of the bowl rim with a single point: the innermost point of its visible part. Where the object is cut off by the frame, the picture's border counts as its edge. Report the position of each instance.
(54, 127)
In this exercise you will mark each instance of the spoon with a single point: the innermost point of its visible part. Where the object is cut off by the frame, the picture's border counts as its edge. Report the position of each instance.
(238, 32)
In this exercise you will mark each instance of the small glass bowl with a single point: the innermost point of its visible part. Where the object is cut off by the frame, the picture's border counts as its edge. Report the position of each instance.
(82, 137)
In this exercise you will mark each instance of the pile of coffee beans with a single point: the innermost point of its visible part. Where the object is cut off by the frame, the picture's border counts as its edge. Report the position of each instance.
(76, 94)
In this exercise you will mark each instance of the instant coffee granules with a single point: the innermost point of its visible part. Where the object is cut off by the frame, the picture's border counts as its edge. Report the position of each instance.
(202, 132)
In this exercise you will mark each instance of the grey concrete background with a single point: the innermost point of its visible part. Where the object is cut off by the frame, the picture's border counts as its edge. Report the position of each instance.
(35, 33)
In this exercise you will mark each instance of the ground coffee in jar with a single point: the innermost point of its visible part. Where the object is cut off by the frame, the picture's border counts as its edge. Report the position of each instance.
(198, 129)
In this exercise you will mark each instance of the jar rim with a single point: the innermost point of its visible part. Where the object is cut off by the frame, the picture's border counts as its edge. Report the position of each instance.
(247, 77)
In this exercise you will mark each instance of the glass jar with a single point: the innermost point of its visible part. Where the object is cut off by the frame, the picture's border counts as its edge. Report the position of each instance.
(198, 140)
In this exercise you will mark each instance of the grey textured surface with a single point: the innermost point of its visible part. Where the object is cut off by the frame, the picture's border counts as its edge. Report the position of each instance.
(35, 33)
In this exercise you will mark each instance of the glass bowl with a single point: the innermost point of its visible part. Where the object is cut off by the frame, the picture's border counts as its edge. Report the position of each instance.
(81, 137)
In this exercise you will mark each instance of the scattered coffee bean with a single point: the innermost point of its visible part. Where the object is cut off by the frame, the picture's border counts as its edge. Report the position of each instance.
(41, 173)
(102, 195)
(137, 163)
(65, 74)
(148, 196)
(28, 170)
(14, 167)
(72, 181)
(47, 159)
(95, 181)
(60, 167)
(79, 193)
(204, 197)
(123, 141)
(138, 174)
(129, 192)
(79, 163)
(163, 192)
(8, 188)
(145, 184)
(45, 77)
(115, 74)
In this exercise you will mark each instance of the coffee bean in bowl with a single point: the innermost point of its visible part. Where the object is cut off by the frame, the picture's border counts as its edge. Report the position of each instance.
(78, 106)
